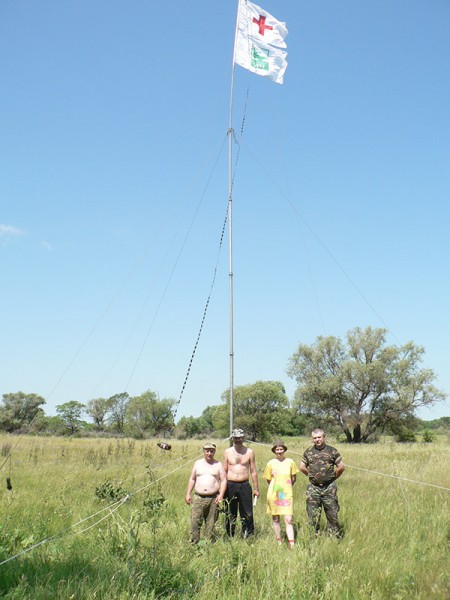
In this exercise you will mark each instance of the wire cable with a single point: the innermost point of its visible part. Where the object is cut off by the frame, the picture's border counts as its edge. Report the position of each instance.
(319, 240)
(112, 509)
(374, 472)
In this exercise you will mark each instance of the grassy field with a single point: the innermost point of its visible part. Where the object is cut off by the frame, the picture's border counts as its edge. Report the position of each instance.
(395, 543)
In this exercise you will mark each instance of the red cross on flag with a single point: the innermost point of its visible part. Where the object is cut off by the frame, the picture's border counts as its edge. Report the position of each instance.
(259, 43)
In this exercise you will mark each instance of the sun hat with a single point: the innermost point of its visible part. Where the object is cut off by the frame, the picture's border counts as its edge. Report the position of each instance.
(278, 443)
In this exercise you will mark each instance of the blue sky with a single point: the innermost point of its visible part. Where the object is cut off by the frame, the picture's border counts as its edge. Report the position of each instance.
(113, 127)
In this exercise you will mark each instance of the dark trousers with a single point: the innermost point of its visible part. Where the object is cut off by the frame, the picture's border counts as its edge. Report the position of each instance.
(239, 496)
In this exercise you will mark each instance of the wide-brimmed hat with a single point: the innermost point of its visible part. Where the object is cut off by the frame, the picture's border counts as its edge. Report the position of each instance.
(237, 433)
(209, 446)
(278, 443)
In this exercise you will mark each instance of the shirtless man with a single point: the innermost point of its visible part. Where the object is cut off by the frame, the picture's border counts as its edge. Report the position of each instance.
(239, 463)
(209, 482)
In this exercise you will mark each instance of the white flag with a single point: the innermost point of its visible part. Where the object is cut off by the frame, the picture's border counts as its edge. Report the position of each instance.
(260, 41)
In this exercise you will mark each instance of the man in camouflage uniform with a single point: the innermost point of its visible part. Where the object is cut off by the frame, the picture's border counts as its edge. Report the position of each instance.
(323, 465)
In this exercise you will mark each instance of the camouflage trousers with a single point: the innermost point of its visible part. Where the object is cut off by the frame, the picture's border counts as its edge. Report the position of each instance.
(326, 496)
(203, 509)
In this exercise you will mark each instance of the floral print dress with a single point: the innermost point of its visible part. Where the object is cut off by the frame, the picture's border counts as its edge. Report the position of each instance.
(280, 492)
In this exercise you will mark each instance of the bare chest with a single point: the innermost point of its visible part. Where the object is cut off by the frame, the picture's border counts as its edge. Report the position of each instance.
(203, 468)
(236, 457)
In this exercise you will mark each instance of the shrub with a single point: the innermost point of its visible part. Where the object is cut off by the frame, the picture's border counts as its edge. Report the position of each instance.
(405, 435)
(427, 436)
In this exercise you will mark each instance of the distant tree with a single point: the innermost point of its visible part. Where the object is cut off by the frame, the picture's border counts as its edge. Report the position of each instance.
(260, 409)
(97, 409)
(70, 413)
(221, 416)
(405, 435)
(189, 427)
(294, 423)
(410, 422)
(146, 414)
(205, 424)
(39, 424)
(404, 428)
(19, 410)
(363, 385)
(117, 411)
(208, 419)
(441, 423)
(52, 425)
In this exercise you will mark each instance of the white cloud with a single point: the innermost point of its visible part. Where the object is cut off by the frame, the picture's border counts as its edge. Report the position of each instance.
(6, 230)
(46, 245)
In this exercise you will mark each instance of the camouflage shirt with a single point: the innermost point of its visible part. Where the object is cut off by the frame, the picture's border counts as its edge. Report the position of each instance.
(321, 464)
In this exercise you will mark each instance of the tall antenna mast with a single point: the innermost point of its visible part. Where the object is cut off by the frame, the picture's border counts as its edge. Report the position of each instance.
(259, 47)
(230, 228)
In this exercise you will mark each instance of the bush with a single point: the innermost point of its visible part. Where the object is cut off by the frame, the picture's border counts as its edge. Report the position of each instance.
(427, 436)
(405, 435)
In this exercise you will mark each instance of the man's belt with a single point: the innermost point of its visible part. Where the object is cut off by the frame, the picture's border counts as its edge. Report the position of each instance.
(322, 485)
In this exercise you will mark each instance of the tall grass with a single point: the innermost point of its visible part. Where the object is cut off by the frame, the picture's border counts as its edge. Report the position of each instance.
(394, 546)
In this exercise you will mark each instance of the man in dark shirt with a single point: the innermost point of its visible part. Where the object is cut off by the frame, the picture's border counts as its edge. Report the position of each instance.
(323, 465)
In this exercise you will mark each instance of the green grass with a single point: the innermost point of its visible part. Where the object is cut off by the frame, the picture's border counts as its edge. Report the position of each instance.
(395, 543)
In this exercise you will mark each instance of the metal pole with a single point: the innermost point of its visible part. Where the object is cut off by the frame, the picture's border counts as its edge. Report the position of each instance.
(230, 227)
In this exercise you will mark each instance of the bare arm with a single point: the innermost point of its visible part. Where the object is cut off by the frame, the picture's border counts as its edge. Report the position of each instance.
(225, 463)
(190, 485)
(339, 470)
(223, 484)
(254, 474)
(293, 479)
(303, 468)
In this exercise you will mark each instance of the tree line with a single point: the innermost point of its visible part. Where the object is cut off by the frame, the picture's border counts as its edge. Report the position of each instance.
(137, 416)
(359, 386)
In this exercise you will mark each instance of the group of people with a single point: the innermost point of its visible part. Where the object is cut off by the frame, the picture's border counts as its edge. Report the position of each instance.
(213, 481)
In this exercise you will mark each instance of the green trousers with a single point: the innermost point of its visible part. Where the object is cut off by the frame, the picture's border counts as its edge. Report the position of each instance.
(203, 510)
(326, 497)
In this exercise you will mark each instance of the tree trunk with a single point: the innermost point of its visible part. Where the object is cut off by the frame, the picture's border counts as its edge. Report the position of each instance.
(348, 435)
(357, 434)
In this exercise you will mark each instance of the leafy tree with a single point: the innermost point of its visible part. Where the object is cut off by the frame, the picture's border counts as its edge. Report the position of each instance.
(294, 423)
(398, 426)
(147, 414)
(441, 423)
(403, 428)
(117, 411)
(208, 419)
(404, 434)
(205, 424)
(260, 409)
(51, 425)
(97, 409)
(70, 413)
(363, 385)
(189, 427)
(19, 410)
(221, 417)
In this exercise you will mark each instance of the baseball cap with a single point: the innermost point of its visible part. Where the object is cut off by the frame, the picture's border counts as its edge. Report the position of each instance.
(237, 433)
(209, 446)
